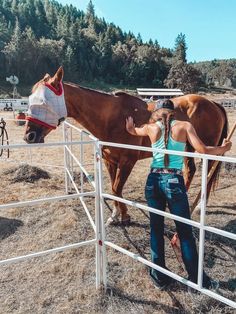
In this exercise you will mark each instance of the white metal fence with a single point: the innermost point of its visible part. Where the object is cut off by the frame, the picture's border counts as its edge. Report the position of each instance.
(200, 225)
(159, 92)
(71, 161)
(77, 195)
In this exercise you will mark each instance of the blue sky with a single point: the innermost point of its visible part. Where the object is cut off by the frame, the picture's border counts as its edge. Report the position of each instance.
(209, 25)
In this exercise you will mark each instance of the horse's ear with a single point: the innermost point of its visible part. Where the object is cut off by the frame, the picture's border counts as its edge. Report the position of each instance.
(59, 74)
(151, 105)
(46, 77)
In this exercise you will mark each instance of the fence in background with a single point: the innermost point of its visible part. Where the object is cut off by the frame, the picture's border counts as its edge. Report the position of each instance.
(158, 93)
(227, 103)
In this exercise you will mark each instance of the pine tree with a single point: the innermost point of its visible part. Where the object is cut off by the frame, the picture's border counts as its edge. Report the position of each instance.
(180, 48)
(13, 52)
(181, 74)
(90, 10)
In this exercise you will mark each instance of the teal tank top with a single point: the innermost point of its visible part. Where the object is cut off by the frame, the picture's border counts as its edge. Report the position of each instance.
(175, 162)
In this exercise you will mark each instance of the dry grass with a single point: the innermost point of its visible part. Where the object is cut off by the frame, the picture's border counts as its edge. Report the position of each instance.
(65, 282)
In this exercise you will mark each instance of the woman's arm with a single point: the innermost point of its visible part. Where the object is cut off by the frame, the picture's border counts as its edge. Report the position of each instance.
(130, 127)
(200, 147)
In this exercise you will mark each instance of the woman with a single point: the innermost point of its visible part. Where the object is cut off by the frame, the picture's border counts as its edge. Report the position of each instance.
(165, 185)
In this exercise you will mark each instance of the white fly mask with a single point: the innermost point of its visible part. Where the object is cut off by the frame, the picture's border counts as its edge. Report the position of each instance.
(47, 106)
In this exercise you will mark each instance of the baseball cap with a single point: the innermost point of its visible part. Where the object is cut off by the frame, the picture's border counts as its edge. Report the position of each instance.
(164, 103)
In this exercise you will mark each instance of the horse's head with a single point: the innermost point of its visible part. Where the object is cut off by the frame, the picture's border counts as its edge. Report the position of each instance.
(46, 108)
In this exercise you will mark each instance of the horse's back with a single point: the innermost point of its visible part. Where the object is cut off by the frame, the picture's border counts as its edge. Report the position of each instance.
(208, 118)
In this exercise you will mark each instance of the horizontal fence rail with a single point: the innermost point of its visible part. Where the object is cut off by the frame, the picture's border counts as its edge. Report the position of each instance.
(170, 152)
(42, 253)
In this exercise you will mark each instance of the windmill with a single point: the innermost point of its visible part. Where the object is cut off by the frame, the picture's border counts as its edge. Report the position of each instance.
(13, 79)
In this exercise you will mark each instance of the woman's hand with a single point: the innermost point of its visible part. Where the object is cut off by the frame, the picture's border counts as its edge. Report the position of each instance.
(130, 126)
(226, 144)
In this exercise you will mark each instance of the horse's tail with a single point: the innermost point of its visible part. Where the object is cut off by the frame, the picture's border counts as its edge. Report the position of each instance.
(225, 128)
(215, 177)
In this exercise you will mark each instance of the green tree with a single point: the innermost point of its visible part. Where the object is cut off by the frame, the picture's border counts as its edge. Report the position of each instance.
(13, 51)
(70, 64)
(180, 48)
(90, 13)
(223, 74)
(183, 76)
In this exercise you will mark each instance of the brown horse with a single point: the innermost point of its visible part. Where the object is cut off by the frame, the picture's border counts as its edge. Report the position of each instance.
(104, 116)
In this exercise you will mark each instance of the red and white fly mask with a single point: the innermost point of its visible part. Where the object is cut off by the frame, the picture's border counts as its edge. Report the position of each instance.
(47, 109)
(47, 106)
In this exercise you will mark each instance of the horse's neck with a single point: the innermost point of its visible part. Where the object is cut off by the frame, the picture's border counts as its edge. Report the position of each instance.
(85, 109)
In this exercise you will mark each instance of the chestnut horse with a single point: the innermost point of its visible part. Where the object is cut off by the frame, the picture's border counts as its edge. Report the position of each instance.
(104, 116)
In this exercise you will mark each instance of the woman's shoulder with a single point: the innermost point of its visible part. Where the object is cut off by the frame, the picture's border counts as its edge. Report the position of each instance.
(155, 125)
(182, 123)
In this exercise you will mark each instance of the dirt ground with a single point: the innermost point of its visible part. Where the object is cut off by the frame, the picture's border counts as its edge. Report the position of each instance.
(65, 282)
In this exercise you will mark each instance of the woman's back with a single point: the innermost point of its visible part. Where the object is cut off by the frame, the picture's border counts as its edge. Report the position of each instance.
(176, 141)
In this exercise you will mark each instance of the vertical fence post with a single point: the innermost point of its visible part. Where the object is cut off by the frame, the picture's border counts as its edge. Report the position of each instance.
(100, 229)
(65, 158)
(82, 163)
(202, 221)
(101, 185)
(71, 158)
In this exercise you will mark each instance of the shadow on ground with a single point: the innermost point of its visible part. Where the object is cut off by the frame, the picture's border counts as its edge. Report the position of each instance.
(8, 227)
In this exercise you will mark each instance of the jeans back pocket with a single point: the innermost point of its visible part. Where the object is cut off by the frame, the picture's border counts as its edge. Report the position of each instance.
(175, 190)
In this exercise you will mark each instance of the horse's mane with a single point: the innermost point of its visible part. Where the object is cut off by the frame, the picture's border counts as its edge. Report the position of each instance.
(116, 94)
(120, 93)
(88, 89)
(113, 94)
(126, 95)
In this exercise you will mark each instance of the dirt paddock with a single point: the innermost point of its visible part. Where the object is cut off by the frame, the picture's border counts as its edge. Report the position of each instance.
(65, 282)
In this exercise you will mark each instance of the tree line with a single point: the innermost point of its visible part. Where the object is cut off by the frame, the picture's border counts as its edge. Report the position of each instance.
(36, 36)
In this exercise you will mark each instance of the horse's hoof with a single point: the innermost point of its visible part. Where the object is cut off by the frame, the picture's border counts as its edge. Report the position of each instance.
(125, 220)
(112, 221)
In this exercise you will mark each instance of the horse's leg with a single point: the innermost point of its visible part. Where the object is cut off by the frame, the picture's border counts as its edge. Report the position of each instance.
(123, 171)
(112, 169)
(190, 168)
(189, 171)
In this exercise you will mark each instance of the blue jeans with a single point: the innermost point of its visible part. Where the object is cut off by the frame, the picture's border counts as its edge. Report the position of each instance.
(169, 189)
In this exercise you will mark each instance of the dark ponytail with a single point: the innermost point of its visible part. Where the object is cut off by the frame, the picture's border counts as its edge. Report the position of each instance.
(166, 118)
(165, 113)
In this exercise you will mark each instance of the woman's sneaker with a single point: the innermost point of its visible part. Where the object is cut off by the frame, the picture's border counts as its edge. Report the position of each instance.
(212, 285)
(209, 284)
(162, 284)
